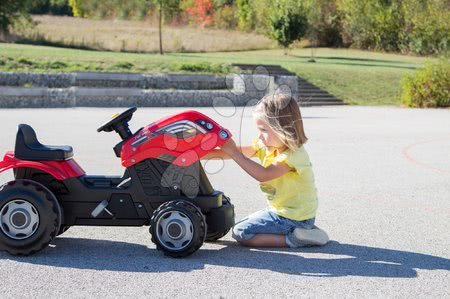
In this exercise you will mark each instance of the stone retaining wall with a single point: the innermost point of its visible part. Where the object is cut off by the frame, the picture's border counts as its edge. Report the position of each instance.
(39, 97)
(124, 90)
(120, 80)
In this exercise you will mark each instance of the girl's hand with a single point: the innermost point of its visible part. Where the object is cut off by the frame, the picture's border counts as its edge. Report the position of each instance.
(230, 147)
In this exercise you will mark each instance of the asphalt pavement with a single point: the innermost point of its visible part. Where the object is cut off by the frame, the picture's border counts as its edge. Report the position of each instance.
(383, 179)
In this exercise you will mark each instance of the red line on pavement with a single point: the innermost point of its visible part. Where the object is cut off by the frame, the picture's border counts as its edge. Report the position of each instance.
(411, 159)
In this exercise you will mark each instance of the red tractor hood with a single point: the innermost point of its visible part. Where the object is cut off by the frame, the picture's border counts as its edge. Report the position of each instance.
(180, 139)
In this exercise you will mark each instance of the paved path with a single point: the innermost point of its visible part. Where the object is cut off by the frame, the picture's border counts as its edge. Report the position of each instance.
(383, 176)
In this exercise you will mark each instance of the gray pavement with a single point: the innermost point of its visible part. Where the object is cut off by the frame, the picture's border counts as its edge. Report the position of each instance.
(383, 177)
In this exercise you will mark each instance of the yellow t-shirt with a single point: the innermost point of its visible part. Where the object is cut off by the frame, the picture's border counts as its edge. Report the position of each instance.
(292, 195)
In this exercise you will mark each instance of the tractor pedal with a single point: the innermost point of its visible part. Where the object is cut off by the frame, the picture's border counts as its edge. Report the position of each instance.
(100, 208)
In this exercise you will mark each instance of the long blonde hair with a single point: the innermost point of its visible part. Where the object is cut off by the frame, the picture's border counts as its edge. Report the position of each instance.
(282, 114)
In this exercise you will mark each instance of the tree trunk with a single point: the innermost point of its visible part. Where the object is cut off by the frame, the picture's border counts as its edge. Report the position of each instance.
(160, 27)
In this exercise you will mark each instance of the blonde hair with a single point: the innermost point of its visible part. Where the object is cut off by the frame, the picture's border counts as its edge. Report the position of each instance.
(282, 114)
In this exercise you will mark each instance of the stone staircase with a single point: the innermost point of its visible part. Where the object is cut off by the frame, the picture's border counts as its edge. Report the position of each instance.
(308, 94)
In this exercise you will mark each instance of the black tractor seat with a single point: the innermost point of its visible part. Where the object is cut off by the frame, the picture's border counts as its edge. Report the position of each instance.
(29, 148)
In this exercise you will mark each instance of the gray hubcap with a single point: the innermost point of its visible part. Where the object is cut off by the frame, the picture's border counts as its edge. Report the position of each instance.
(19, 219)
(175, 230)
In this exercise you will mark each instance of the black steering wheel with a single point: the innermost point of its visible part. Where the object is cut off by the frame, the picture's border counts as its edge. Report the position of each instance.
(119, 123)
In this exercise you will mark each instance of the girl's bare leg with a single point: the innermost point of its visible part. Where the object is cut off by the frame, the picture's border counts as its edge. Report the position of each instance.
(266, 240)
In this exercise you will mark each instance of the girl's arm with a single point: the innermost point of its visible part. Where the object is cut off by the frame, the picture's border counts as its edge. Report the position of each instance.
(257, 171)
(247, 151)
(216, 154)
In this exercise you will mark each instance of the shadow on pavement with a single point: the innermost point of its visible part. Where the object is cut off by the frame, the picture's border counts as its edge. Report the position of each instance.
(334, 259)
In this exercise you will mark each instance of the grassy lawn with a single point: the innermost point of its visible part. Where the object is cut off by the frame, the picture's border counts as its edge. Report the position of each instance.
(357, 77)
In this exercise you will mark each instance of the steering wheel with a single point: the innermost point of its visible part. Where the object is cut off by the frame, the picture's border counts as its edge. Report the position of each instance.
(119, 123)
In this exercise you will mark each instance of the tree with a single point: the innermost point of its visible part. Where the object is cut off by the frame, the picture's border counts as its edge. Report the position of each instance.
(246, 15)
(427, 27)
(374, 24)
(202, 10)
(12, 11)
(166, 8)
(77, 8)
(288, 22)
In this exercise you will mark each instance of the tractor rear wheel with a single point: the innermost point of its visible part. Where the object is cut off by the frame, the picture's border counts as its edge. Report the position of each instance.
(30, 217)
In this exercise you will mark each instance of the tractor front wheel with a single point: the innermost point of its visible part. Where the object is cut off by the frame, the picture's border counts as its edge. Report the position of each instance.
(178, 228)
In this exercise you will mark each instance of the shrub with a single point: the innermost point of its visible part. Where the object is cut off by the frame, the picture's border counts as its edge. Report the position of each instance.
(56, 65)
(225, 17)
(25, 61)
(123, 65)
(428, 87)
(204, 67)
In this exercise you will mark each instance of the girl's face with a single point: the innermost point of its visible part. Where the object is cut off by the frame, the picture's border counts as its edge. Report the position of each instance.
(267, 135)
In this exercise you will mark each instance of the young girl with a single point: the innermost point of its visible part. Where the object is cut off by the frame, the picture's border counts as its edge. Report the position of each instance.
(285, 177)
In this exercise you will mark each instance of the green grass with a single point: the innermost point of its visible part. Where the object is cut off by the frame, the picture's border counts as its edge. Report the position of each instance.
(356, 84)
(357, 77)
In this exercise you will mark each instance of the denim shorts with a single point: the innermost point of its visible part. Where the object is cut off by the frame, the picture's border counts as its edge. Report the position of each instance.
(267, 222)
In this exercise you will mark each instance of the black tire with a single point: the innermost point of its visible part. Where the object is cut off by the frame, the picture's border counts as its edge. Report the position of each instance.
(213, 236)
(30, 217)
(178, 228)
(63, 229)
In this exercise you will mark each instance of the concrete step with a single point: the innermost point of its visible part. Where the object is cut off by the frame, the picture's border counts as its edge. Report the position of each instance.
(318, 99)
(305, 83)
(280, 74)
(310, 88)
(308, 93)
(313, 92)
(321, 103)
(307, 86)
(320, 95)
